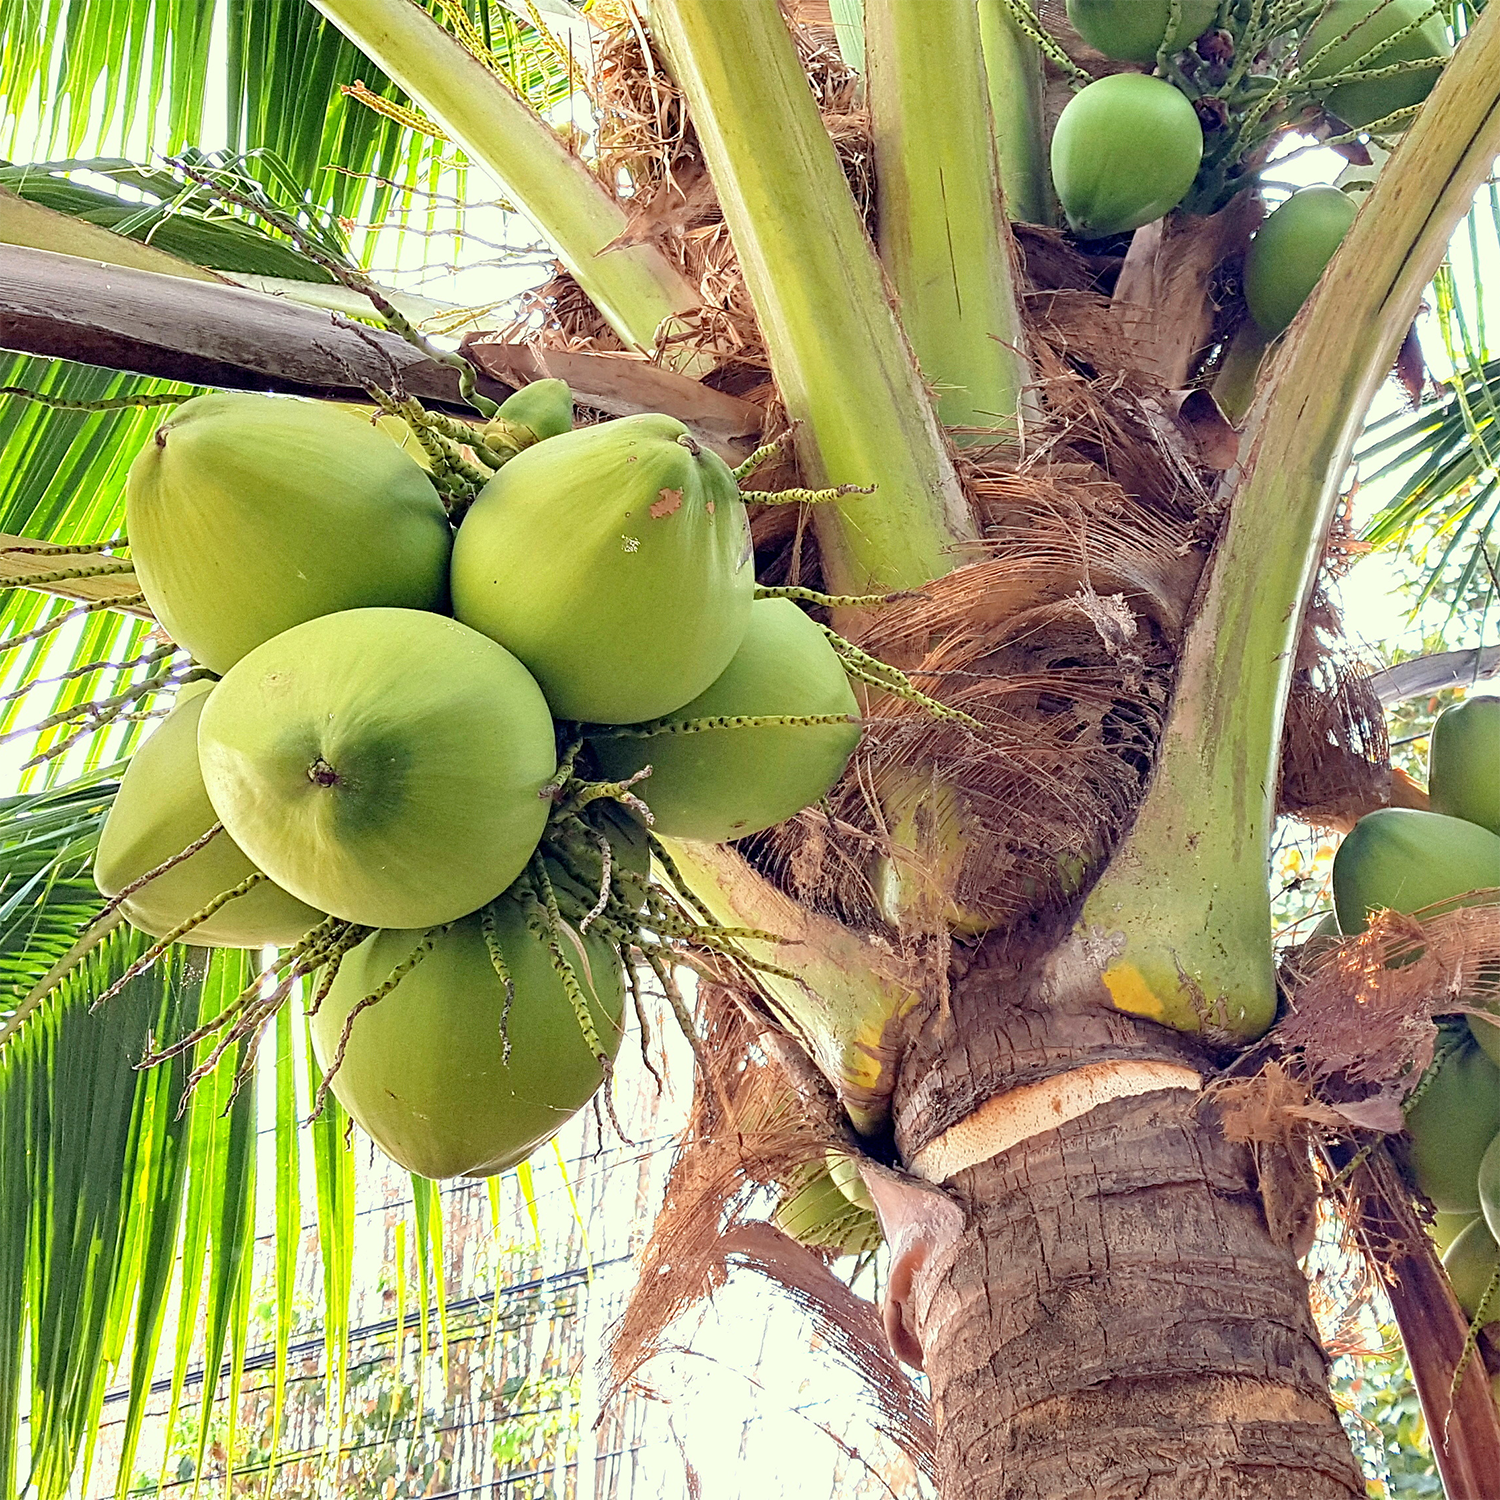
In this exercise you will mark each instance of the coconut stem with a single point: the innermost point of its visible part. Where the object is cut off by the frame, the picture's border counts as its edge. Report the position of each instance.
(761, 455)
(805, 496)
(723, 721)
(833, 601)
(179, 932)
(407, 964)
(126, 892)
(879, 674)
(502, 971)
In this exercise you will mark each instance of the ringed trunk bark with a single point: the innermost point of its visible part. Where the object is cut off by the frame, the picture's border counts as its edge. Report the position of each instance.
(1108, 1314)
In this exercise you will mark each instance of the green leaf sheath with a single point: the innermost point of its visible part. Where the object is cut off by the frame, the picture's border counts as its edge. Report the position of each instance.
(1013, 69)
(841, 361)
(942, 231)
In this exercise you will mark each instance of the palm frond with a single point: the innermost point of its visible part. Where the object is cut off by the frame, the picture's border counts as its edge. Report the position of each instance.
(163, 211)
(74, 75)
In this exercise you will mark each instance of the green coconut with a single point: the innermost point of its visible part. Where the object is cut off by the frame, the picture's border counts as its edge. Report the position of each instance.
(1290, 250)
(1447, 1227)
(1406, 859)
(424, 1071)
(1463, 772)
(1125, 152)
(162, 808)
(543, 409)
(250, 514)
(1489, 1185)
(844, 1171)
(386, 765)
(1353, 31)
(820, 1216)
(1132, 30)
(615, 561)
(1452, 1125)
(1471, 1261)
(726, 782)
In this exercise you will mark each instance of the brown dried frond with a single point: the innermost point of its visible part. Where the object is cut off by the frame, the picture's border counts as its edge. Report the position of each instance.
(1362, 1010)
(1059, 640)
(749, 1132)
(649, 156)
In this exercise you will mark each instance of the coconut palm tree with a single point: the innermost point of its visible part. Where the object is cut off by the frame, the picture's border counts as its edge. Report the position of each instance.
(1058, 498)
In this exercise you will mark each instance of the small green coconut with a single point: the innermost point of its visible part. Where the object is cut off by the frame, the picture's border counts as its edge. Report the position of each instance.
(250, 514)
(727, 781)
(424, 1070)
(386, 765)
(1132, 30)
(1349, 35)
(1125, 151)
(1290, 250)
(1447, 1227)
(160, 810)
(1405, 859)
(1452, 1125)
(818, 1215)
(615, 561)
(1464, 764)
(543, 409)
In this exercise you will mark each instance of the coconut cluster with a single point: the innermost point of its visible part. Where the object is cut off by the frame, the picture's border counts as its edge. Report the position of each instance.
(430, 761)
(1131, 146)
(1409, 860)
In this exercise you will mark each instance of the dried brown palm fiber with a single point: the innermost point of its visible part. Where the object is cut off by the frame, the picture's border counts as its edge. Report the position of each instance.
(1335, 756)
(649, 155)
(1060, 640)
(749, 1131)
(1361, 1016)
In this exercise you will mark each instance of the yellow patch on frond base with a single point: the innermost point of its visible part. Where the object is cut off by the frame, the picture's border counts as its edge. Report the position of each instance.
(1128, 989)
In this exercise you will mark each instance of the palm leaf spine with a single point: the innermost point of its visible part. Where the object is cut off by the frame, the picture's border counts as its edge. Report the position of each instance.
(942, 232)
(1013, 71)
(635, 287)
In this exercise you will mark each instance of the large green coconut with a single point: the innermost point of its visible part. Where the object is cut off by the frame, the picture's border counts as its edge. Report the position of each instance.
(1471, 1261)
(1447, 1227)
(386, 765)
(1352, 32)
(615, 561)
(726, 782)
(424, 1071)
(1125, 152)
(1290, 250)
(1132, 30)
(1406, 859)
(1451, 1127)
(1463, 773)
(1489, 1185)
(162, 808)
(250, 514)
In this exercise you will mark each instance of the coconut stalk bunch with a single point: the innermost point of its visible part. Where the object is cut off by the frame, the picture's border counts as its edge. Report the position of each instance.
(429, 763)
(1432, 860)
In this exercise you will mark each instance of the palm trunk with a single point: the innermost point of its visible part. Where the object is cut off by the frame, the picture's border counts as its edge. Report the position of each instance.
(1115, 1316)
